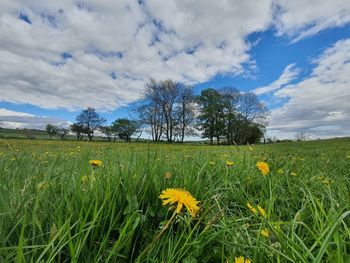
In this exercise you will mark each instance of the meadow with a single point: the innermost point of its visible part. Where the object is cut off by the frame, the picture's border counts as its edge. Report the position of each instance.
(55, 206)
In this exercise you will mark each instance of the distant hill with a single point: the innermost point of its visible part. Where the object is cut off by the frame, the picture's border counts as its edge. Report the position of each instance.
(30, 134)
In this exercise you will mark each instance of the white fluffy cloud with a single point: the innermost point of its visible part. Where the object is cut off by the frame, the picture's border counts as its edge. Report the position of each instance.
(289, 73)
(73, 54)
(15, 119)
(319, 104)
(303, 18)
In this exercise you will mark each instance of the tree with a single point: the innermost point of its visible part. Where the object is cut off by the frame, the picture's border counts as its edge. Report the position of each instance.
(89, 120)
(164, 94)
(151, 115)
(78, 130)
(232, 115)
(108, 131)
(301, 136)
(251, 112)
(187, 104)
(210, 118)
(230, 97)
(167, 109)
(51, 130)
(62, 132)
(125, 128)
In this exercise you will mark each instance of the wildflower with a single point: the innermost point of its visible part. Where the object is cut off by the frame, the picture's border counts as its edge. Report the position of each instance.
(262, 211)
(251, 208)
(280, 171)
(180, 198)
(263, 167)
(254, 211)
(241, 259)
(168, 175)
(88, 178)
(84, 178)
(326, 182)
(265, 232)
(42, 185)
(293, 174)
(95, 163)
(229, 163)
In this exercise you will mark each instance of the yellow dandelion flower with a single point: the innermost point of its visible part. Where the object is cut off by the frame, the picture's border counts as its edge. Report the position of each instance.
(293, 174)
(265, 232)
(255, 211)
(180, 198)
(229, 163)
(262, 211)
(88, 178)
(280, 171)
(251, 208)
(326, 182)
(84, 178)
(241, 259)
(263, 168)
(95, 163)
(42, 185)
(168, 175)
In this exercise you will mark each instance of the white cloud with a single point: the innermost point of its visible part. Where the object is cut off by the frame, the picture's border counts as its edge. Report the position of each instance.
(303, 18)
(289, 73)
(100, 53)
(5, 112)
(319, 104)
(15, 119)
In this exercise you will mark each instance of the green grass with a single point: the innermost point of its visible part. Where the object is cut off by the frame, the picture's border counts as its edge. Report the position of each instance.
(54, 207)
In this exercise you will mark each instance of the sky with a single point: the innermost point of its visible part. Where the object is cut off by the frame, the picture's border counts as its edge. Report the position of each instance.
(60, 57)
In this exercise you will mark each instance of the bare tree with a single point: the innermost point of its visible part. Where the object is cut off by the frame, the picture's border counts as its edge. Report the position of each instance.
(51, 130)
(150, 114)
(62, 132)
(301, 136)
(79, 130)
(167, 109)
(90, 120)
(108, 131)
(252, 110)
(187, 104)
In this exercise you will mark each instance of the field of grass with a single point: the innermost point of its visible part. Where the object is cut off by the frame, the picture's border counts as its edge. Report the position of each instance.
(56, 207)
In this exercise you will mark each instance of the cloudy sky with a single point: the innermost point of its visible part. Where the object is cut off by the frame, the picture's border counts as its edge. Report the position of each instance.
(58, 57)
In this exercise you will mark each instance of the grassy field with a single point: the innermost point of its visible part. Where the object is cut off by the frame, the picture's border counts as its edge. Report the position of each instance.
(56, 207)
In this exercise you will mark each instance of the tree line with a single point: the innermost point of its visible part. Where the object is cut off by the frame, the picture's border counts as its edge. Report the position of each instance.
(171, 111)
(89, 121)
